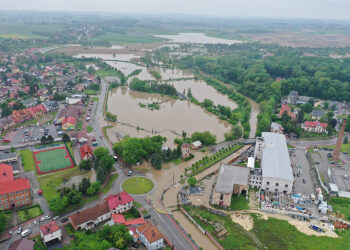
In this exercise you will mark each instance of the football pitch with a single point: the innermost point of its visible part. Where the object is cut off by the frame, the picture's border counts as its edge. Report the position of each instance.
(52, 160)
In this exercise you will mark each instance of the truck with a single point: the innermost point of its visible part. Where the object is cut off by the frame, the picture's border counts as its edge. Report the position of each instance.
(316, 228)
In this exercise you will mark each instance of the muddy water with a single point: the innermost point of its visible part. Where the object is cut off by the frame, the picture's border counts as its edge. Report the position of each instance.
(174, 116)
(201, 90)
(197, 38)
(110, 56)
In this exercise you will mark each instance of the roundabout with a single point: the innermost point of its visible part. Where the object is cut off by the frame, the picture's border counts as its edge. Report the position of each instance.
(137, 185)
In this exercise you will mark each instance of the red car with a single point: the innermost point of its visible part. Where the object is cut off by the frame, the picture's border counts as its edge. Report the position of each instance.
(40, 192)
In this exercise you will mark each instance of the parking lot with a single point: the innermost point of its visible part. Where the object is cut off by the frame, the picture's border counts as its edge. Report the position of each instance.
(301, 171)
(31, 134)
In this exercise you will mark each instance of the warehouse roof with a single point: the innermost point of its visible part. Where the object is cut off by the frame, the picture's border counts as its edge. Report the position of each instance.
(229, 176)
(275, 160)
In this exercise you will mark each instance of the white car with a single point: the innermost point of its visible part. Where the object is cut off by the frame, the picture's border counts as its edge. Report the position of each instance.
(26, 232)
(55, 218)
(46, 217)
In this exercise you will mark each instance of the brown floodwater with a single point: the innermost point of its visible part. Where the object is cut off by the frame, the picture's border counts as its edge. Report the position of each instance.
(197, 38)
(174, 116)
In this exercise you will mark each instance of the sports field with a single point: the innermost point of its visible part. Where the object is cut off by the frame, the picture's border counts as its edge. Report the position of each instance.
(51, 160)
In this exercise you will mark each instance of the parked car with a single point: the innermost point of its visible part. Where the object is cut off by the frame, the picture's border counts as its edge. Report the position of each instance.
(63, 220)
(129, 173)
(55, 218)
(147, 216)
(19, 230)
(304, 181)
(46, 217)
(26, 232)
(40, 192)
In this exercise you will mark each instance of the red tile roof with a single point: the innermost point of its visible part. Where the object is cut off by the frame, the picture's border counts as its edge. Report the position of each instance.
(14, 185)
(118, 199)
(314, 124)
(150, 232)
(89, 214)
(6, 173)
(85, 150)
(119, 219)
(49, 228)
(69, 119)
(286, 108)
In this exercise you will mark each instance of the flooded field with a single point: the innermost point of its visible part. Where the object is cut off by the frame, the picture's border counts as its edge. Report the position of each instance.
(174, 116)
(197, 38)
(112, 56)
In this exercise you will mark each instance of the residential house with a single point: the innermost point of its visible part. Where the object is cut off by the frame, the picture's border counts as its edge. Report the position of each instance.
(8, 157)
(231, 180)
(15, 193)
(294, 98)
(50, 106)
(29, 103)
(317, 114)
(20, 116)
(36, 111)
(90, 217)
(68, 123)
(150, 236)
(73, 100)
(50, 231)
(276, 128)
(120, 203)
(22, 244)
(86, 152)
(185, 150)
(6, 123)
(286, 109)
(196, 145)
(277, 175)
(315, 127)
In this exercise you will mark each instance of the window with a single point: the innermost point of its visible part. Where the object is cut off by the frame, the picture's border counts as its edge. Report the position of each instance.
(27, 195)
(276, 190)
(18, 198)
(0, 196)
(7, 206)
(5, 195)
(5, 200)
(277, 184)
(18, 203)
(221, 197)
(22, 197)
(268, 183)
(286, 185)
(23, 202)
(10, 194)
(27, 201)
(267, 189)
(11, 199)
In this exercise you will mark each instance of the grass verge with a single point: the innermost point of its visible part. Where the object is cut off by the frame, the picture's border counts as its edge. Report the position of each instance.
(341, 205)
(27, 160)
(239, 202)
(29, 213)
(137, 185)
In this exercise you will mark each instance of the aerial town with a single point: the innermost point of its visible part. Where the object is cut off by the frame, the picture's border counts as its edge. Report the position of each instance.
(115, 135)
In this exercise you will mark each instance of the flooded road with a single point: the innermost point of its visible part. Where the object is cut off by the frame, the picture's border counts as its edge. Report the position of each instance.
(174, 116)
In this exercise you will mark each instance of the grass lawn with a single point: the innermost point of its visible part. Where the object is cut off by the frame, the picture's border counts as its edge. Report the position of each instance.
(29, 213)
(133, 213)
(53, 115)
(79, 125)
(137, 205)
(70, 149)
(342, 205)
(144, 212)
(239, 202)
(95, 99)
(27, 160)
(89, 129)
(104, 73)
(108, 186)
(50, 182)
(137, 185)
(39, 245)
(91, 92)
(344, 148)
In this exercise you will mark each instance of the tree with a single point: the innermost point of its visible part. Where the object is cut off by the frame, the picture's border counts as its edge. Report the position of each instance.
(94, 188)
(106, 162)
(49, 139)
(178, 151)
(300, 116)
(101, 175)
(13, 150)
(65, 138)
(156, 75)
(156, 161)
(235, 133)
(100, 152)
(84, 185)
(207, 103)
(192, 181)
(3, 221)
(345, 140)
(85, 165)
(57, 204)
(325, 105)
(206, 138)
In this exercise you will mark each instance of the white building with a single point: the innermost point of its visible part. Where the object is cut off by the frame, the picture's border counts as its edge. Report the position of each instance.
(72, 100)
(90, 217)
(277, 174)
(50, 231)
(150, 236)
(120, 203)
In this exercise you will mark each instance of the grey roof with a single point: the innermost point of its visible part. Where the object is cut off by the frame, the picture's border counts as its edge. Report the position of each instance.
(275, 160)
(317, 113)
(275, 126)
(4, 156)
(293, 93)
(229, 176)
(30, 101)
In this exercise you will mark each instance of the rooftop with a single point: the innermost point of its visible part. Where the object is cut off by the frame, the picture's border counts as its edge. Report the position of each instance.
(275, 160)
(229, 176)
(49, 228)
(150, 232)
(4, 156)
(14, 186)
(118, 199)
(22, 244)
(89, 214)
(6, 173)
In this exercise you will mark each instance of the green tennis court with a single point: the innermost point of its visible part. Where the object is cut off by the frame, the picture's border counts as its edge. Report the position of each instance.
(52, 160)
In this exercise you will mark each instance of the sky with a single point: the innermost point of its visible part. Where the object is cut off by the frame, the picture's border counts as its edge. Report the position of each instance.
(314, 9)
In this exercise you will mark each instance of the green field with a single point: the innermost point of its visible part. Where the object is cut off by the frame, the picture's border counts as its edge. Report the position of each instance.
(27, 160)
(239, 202)
(341, 205)
(29, 213)
(53, 160)
(137, 185)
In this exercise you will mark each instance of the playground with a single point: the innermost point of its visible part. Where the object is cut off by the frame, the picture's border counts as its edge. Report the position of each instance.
(51, 160)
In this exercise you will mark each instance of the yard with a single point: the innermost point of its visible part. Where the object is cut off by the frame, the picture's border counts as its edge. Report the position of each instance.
(50, 182)
(239, 202)
(342, 205)
(137, 185)
(29, 213)
(27, 160)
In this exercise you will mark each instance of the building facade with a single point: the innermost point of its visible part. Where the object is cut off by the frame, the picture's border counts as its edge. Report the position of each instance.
(150, 236)
(50, 231)
(15, 193)
(120, 203)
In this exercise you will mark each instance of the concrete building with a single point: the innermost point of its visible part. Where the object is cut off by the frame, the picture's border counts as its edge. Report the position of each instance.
(150, 236)
(185, 150)
(29, 103)
(255, 178)
(294, 98)
(277, 175)
(8, 157)
(15, 193)
(315, 127)
(120, 203)
(50, 106)
(50, 231)
(317, 114)
(90, 217)
(231, 180)
(196, 145)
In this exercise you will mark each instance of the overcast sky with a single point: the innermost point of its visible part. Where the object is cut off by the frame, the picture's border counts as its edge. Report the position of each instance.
(320, 9)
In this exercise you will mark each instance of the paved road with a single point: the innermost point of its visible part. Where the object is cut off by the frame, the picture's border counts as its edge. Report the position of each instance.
(300, 187)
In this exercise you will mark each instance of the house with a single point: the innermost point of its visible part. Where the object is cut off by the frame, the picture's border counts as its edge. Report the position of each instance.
(315, 127)
(29, 103)
(277, 174)
(120, 219)
(15, 193)
(276, 128)
(90, 217)
(120, 203)
(22, 244)
(73, 100)
(86, 152)
(36, 111)
(50, 106)
(231, 180)
(6, 172)
(8, 157)
(294, 98)
(50, 231)
(317, 114)
(6, 123)
(185, 150)
(196, 145)
(150, 236)
(21, 115)
(286, 108)
(68, 123)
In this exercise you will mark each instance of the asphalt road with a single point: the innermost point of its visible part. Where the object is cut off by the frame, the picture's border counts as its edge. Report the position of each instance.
(299, 186)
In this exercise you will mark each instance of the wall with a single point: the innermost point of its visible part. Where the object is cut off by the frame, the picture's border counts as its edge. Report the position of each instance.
(272, 184)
